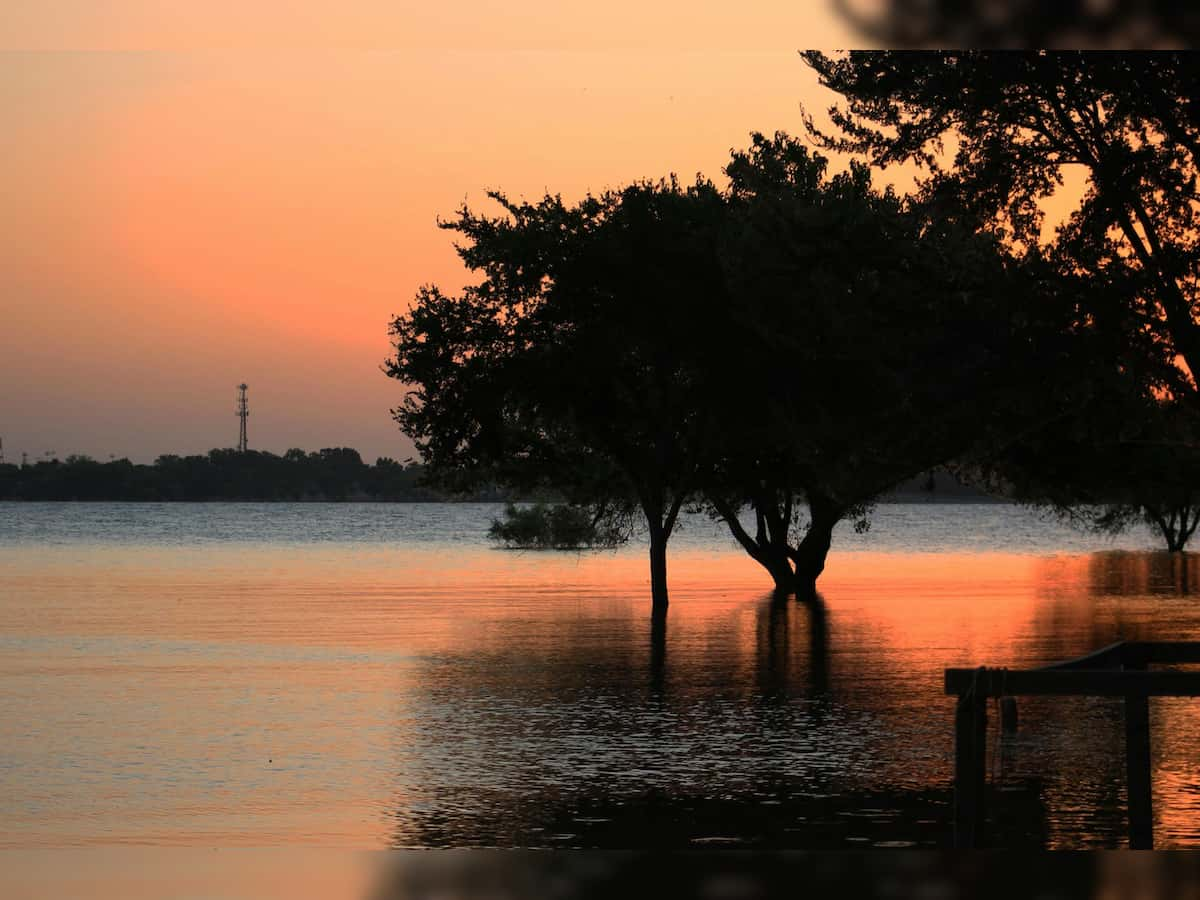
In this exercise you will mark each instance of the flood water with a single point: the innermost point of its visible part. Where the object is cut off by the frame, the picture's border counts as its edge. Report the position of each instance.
(378, 675)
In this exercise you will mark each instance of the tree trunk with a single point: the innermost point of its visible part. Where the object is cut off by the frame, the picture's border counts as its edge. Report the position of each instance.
(793, 569)
(658, 568)
(781, 572)
(771, 555)
(809, 557)
(1176, 525)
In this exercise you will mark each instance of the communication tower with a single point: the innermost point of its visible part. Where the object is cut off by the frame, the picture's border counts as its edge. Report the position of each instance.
(242, 412)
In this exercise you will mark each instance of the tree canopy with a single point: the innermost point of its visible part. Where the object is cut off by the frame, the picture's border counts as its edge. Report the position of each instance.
(997, 132)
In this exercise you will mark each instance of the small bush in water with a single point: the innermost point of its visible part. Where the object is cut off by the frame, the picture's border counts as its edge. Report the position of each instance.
(552, 527)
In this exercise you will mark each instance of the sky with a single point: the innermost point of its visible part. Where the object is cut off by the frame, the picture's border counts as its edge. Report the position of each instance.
(197, 195)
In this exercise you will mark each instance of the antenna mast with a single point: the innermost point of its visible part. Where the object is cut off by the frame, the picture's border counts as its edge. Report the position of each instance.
(242, 412)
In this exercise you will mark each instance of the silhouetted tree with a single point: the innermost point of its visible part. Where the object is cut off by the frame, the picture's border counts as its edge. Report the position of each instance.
(582, 360)
(873, 342)
(558, 526)
(1134, 458)
(1012, 123)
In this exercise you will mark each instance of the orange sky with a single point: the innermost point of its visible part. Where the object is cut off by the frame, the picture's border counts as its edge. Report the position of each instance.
(200, 194)
(196, 195)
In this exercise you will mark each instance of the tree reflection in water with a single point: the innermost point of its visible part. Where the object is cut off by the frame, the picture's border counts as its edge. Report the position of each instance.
(1124, 573)
(713, 749)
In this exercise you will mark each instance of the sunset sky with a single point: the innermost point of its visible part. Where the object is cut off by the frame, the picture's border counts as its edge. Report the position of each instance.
(201, 194)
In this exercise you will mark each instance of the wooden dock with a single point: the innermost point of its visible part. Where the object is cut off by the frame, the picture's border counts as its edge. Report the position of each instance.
(1119, 670)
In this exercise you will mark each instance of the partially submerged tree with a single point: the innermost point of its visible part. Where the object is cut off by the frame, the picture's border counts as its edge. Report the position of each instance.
(996, 133)
(1126, 459)
(558, 526)
(873, 342)
(582, 360)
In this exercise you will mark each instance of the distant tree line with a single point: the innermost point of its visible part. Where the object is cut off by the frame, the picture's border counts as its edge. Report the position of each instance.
(336, 473)
(786, 348)
(332, 474)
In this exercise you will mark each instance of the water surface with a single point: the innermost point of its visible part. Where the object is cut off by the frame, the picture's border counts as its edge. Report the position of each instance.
(377, 675)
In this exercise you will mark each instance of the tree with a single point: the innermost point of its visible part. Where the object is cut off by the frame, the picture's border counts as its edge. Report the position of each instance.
(1015, 122)
(873, 342)
(557, 526)
(582, 360)
(1128, 457)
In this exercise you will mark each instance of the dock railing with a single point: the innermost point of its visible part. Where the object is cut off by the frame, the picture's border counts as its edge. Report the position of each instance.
(1119, 670)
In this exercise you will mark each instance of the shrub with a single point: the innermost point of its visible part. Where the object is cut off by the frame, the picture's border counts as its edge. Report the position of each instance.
(553, 527)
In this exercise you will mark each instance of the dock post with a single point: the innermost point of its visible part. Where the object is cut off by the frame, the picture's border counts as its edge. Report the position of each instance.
(1008, 715)
(1122, 671)
(970, 763)
(1137, 772)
